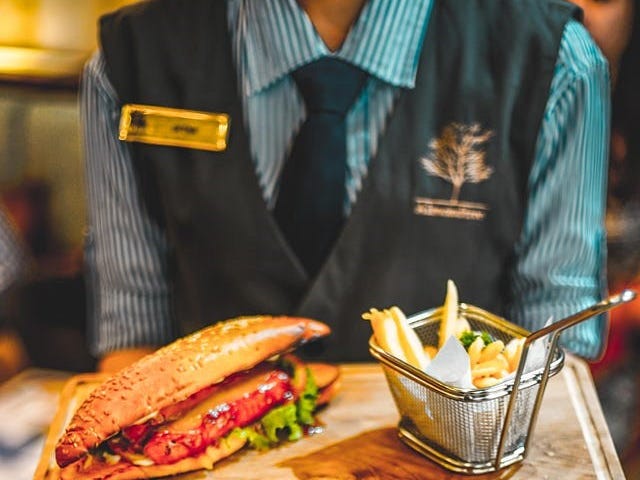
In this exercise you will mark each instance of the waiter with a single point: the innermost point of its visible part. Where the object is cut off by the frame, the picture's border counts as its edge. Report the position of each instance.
(323, 157)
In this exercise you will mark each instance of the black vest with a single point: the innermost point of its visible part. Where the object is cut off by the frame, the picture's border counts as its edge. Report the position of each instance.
(481, 89)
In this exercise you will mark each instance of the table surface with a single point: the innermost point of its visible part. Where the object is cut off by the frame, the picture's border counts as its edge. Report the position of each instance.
(571, 439)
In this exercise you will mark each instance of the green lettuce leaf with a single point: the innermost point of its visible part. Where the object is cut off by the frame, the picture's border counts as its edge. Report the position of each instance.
(285, 421)
(306, 404)
(281, 420)
(255, 439)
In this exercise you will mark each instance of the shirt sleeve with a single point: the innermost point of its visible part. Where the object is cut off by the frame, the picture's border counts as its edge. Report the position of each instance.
(560, 257)
(125, 250)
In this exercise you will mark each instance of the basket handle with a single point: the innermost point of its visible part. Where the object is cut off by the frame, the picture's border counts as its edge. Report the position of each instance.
(554, 330)
(600, 307)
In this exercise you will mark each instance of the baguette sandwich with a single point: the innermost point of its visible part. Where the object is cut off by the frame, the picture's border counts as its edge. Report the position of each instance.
(194, 402)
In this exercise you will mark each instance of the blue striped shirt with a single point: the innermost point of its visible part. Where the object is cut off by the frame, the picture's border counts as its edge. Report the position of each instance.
(560, 253)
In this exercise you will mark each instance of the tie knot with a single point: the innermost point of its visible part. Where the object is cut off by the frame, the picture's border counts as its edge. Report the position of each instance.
(329, 85)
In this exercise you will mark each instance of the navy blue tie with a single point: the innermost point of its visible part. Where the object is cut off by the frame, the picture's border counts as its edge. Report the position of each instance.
(311, 197)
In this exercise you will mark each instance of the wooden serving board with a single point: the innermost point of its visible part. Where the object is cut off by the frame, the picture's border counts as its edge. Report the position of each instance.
(571, 440)
(359, 441)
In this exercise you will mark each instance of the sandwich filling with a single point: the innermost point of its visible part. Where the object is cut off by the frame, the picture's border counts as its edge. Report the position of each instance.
(263, 405)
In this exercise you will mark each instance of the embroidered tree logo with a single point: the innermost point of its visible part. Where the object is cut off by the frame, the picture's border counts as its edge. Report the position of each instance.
(458, 156)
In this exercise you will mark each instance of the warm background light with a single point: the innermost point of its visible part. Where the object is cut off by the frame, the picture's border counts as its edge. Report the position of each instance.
(43, 46)
(56, 24)
(48, 38)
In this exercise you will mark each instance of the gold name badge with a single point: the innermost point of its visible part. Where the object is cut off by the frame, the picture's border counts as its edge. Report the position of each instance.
(174, 127)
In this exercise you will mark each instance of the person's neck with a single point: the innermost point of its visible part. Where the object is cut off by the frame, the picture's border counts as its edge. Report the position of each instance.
(332, 19)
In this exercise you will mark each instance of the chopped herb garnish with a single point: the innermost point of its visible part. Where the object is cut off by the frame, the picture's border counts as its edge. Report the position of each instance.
(468, 337)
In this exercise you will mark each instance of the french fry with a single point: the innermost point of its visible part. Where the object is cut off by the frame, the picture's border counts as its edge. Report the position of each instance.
(489, 363)
(484, 382)
(449, 314)
(385, 332)
(503, 361)
(485, 369)
(409, 341)
(431, 351)
(462, 325)
(491, 351)
(475, 349)
(513, 352)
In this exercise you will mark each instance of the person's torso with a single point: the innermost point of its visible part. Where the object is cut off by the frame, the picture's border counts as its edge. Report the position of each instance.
(444, 197)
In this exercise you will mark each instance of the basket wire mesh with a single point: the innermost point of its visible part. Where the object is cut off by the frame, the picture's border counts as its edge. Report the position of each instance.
(478, 430)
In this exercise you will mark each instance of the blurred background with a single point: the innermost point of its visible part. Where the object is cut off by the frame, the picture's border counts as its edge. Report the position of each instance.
(43, 45)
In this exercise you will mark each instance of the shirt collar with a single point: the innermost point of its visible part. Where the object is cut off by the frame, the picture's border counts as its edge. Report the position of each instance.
(276, 37)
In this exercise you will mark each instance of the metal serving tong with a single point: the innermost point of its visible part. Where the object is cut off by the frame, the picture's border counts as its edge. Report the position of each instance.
(554, 330)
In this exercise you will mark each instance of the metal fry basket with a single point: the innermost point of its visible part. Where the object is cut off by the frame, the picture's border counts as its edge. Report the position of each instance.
(477, 430)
